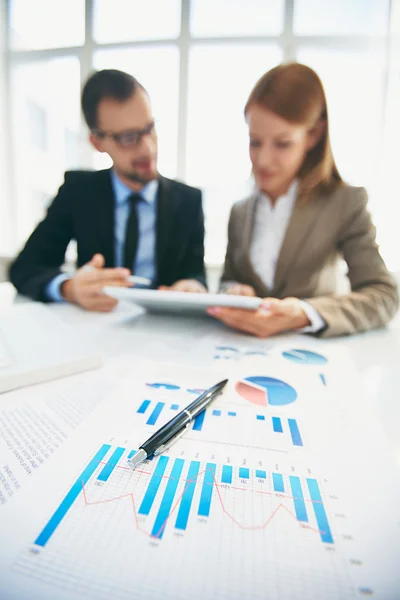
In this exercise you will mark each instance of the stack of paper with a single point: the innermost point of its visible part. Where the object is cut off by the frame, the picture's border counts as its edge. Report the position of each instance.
(36, 346)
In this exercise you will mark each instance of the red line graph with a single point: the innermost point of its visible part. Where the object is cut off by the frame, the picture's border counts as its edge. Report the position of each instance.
(281, 507)
(231, 487)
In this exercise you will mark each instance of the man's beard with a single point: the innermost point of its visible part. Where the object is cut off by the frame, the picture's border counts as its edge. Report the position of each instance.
(142, 179)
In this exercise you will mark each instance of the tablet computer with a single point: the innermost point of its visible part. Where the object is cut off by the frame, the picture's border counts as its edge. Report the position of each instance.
(180, 302)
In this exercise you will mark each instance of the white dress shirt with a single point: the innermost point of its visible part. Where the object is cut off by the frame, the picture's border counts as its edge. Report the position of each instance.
(270, 225)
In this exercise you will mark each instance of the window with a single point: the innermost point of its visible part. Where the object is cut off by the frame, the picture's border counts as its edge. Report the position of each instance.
(227, 18)
(128, 20)
(45, 100)
(37, 123)
(341, 17)
(199, 59)
(38, 24)
(71, 148)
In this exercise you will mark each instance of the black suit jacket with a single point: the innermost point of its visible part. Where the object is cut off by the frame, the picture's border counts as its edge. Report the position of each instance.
(83, 210)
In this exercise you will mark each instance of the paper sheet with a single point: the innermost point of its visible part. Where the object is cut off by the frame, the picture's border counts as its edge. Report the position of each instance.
(36, 421)
(268, 495)
(36, 346)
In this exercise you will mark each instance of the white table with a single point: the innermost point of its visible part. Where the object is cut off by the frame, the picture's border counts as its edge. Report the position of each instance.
(376, 354)
(192, 341)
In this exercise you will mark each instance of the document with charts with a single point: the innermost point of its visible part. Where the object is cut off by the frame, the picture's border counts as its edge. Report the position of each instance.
(36, 421)
(268, 495)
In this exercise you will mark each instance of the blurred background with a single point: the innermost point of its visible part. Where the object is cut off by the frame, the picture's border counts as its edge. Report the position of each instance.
(198, 59)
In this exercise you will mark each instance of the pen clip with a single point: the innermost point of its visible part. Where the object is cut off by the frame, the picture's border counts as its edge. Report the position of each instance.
(168, 444)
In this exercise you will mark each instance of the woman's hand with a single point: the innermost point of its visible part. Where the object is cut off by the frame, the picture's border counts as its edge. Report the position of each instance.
(239, 289)
(274, 316)
(185, 285)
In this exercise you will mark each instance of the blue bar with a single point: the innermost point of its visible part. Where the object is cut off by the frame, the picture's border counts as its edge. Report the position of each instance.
(319, 510)
(261, 474)
(260, 418)
(278, 482)
(244, 473)
(131, 453)
(277, 425)
(216, 413)
(226, 474)
(168, 498)
(111, 464)
(155, 414)
(323, 378)
(206, 491)
(198, 422)
(174, 406)
(144, 406)
(153, 486)
(231, 414)
(70, 498)
(187, 497)
(298, 498)
(295, 433)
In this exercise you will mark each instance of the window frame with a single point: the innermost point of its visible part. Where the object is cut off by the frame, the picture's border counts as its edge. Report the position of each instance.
(288, 41)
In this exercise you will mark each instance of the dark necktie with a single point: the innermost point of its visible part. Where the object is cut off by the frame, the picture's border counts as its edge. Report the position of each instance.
(132, 233)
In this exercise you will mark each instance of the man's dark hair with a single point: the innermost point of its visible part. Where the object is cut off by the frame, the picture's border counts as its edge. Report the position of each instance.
(108, 83)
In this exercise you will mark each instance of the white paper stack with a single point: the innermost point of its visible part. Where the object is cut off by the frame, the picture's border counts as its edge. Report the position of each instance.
(36, 346)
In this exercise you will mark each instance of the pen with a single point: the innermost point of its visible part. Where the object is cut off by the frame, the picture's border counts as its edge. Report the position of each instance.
(129, 279)
(137, 279)
(176, 427)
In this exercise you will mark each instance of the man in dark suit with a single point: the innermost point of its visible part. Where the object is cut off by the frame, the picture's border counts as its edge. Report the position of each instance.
(125, 219)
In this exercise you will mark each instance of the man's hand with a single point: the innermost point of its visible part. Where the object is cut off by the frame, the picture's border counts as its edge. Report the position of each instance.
(185, 285)
(274, 316)
(86, 287)
(239, 289)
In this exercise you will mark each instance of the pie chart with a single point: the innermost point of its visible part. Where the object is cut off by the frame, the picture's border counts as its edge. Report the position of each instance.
(264, 391)
(304, 357)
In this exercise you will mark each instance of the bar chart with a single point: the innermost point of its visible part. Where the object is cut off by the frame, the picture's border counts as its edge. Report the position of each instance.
(179, 491)
(173, 387)
(236, 353)
(156, 412)
(165, 386)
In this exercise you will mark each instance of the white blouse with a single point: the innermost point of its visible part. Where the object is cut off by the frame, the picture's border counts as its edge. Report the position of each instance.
(270, 225)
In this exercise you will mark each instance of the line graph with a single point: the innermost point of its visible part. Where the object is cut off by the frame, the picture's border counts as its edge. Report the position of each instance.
(160, 531)
(227, 513)
(189, 490)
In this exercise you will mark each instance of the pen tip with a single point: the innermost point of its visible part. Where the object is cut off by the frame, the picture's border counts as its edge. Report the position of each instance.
(139, 457)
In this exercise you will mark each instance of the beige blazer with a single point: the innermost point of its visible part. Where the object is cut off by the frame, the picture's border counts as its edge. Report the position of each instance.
(328, 227)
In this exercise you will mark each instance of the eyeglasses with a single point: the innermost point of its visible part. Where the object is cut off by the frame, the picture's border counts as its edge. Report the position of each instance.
(125, 139)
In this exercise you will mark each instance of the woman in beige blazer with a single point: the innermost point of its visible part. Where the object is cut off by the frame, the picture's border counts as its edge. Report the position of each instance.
(285, 241)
